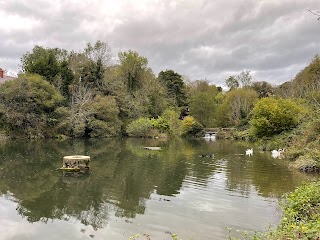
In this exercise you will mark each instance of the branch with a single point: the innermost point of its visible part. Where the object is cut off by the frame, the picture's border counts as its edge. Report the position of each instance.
(317, 13)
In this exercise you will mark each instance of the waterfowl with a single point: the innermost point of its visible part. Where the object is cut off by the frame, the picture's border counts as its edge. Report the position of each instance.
(207, 155)
(249, 152)
(277, 153)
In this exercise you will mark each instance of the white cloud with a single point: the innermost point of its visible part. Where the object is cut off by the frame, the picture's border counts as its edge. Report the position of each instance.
(14, 23)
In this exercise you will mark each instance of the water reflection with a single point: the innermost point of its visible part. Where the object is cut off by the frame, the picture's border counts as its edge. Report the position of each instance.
(127, 180)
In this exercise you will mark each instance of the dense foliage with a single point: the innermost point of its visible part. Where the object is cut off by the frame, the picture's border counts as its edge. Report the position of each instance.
(91, 94)
(87, 94)
(301, 209)
(175, 86)
(27, 106)
(272, 116)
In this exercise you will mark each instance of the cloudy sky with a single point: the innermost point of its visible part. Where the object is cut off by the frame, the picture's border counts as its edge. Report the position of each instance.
(201, 39)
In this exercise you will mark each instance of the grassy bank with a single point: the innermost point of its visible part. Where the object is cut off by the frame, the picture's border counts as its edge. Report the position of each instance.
(301, 216)
(301, 144)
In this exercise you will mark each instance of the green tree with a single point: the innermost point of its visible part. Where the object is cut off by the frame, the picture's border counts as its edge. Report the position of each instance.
(42, 61)
(222, 115)
(103, 120)
(244, 78)
(156, 94)
(190, 126)
(27, 106)
(160, 124)
(90, 65)
(237, 106)
(67, 76)
(203, 102)
(176, 88)
(272, 116)
(132, 66)
(171, 117)
(52, 64)
(232, 82)
(139, 127)
(263, 88)
(305, 84)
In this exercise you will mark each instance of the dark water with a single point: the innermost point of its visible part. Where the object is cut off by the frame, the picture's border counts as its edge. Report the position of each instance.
(132, 190)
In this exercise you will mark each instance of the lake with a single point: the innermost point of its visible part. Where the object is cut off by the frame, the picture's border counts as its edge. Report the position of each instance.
(193, 188)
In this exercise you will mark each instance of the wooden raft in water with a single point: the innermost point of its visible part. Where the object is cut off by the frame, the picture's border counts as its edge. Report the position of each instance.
(75, 163)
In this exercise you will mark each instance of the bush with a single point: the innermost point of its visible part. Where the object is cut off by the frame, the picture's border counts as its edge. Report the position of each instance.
(160, 124)
(272, 116)
(103, 117)
(99, 128)
(172, 119)
(190, 126)
(139, 127)
(301, 218)
(243, 135)
(27, 106)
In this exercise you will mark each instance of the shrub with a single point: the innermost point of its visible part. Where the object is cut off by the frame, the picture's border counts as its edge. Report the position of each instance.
(172, 119)
(301, 218)
(272, 116)
(160, 124)
(190, 126)
(139, 127)
(103, 117)
(27, 106)
(99, 128)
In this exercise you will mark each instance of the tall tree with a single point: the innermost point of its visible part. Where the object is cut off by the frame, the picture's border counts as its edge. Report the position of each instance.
(236, 107)
(52, 64)
(203, 102)
(132, 66)
(90, 65)
(43, 61)
(232, 82)
(244, 78)
(175, 85)
(263, 88)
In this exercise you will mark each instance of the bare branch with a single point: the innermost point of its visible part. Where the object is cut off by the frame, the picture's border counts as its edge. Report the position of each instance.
(317, 13)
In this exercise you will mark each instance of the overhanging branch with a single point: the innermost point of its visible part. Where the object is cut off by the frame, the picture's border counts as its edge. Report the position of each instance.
(317, 13)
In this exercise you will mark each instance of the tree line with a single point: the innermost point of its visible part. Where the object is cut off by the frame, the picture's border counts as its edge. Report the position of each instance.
(89, 94)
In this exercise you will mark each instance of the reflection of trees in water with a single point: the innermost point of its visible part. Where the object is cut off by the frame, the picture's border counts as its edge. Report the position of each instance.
(76, 197)
(256, 173)
(123, 177)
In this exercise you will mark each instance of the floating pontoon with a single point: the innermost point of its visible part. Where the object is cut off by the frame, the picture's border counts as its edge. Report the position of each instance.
(75, 163)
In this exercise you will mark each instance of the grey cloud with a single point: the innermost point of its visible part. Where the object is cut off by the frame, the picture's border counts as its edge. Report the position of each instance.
(199, 39)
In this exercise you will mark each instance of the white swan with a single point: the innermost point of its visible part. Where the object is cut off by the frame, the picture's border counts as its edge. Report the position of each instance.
(277, 153)
(249, 152)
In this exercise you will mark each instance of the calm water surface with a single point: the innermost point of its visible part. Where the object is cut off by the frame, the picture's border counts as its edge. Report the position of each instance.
(132, 190)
